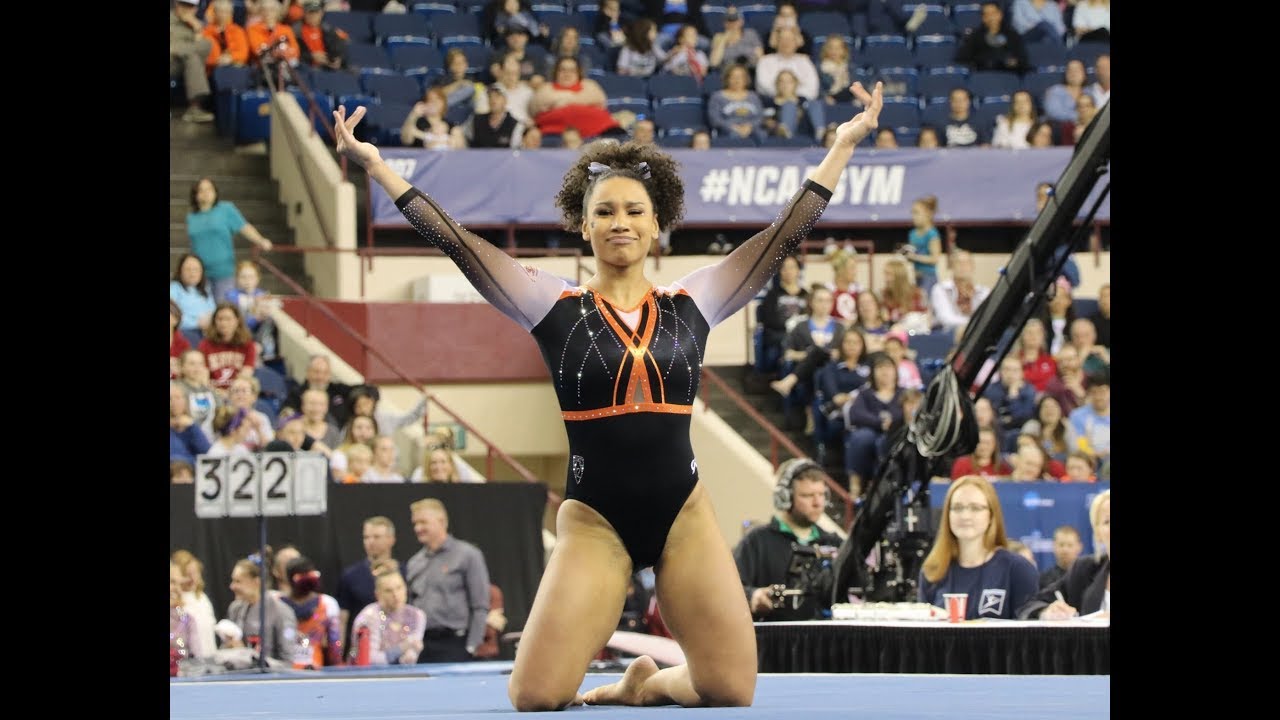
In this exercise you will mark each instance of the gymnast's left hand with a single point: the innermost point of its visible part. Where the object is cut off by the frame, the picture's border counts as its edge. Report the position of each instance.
(362, 153)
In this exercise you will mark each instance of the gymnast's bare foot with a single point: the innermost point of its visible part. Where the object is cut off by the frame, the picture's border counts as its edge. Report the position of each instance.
(577, 700)
(628, 690)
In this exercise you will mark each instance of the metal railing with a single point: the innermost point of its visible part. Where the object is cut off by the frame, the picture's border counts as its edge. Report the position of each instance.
(492, 453)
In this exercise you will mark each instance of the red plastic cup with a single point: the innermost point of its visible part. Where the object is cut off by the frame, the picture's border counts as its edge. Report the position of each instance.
(957, 605)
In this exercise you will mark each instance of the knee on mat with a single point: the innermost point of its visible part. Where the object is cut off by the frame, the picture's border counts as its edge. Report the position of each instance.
(535, 699)
(726, 693)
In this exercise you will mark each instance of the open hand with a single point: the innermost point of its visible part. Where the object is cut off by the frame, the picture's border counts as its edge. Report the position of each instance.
(864, 123)
(362, 153)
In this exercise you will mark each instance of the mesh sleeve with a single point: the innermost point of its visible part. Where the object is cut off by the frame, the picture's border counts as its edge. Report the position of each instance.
(723, 289)
(521, 293)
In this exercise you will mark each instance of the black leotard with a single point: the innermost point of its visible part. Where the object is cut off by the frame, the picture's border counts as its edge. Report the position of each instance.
(626, 378)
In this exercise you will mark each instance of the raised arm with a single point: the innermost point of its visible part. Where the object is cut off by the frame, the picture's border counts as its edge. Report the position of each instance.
(722, 289)
(524, 295)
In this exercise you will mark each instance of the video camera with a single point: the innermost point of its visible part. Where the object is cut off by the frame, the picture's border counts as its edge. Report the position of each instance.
(807, 592)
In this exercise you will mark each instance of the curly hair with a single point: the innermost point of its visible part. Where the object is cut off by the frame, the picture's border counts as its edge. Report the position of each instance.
(664, 185)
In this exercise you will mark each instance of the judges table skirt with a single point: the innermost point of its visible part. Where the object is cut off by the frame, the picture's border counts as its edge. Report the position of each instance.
(1079, 647)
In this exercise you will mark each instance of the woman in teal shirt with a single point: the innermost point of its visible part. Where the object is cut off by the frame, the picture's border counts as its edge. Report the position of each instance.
(212, 226)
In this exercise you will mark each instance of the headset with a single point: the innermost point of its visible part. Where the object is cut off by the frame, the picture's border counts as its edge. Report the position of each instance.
(787, 474)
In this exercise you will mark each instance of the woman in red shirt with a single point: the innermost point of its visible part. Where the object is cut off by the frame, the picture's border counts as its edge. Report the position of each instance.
(984, 461)
(228, 347)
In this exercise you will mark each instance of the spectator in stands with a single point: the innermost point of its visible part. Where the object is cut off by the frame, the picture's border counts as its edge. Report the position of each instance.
(1089, 426)
(194, 599)
(969, 555)
(1057, 314)
(449, 580)
(1060, 99)
(516, 44)
(1037, 20)
(953, 301)
(320, 44)
(229, 429)
(425, 126)
(1101, 318)
(1012, 127)
(384, 468)
(188, 50)
(460, 90)
(356, 584)
(764, 555)
(701, 140)
(192, 293)
(811, 342)
(1021, 550)
(181, 472)
(640, 55)
(572, 100)
(272, 43)
(785, 299)
(993, 46)
(788, 115)
(871, 320)
(1092, 22)
(319, 377)
(609, 24)
(900, 297)
(836, 384)
(1100, 90)
(517, 92)
(532, 138)
(366, 400)
(1038, 366)
(282, 624)
(1080, 467)
(924, 244)
(961, 130)
(896, 346)
(437, 466)
(833, 74)
(985, 460)
(184, 633)
(1013, 399)
(787, 17)
(229, 41)
(1094, 357)
(228, 348)
(513, 14)
(736, 45)
(496, 128)
(875, 409)
(1066, 549)
(212, 226)
(186, 438)
(256, 306)
(178, 342)
(359, 459)
(317, 613)
(1068, 386)
(1070, 132)
(787, 58)
(194, 376)
(684, 57)
(1041, 135)
(886, 139)
(643, 131)
(242, 395)
(844, 284)
(928, 138)
(1086, 587)
(1030, 462)
(1050, 426)
(360, 430)
(566, 46)
(395, 627)
(735, 110)
(315, 422)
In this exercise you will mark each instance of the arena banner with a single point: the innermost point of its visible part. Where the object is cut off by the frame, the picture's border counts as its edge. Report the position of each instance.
(730, 187)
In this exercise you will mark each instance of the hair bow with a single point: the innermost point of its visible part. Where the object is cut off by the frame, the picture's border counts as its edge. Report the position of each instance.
(643, 169)
(596, 168)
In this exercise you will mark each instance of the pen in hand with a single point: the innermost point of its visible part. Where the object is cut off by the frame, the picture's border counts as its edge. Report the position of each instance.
(1058, 594)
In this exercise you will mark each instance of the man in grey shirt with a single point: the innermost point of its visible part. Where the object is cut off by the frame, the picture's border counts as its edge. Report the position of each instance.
(449, 581)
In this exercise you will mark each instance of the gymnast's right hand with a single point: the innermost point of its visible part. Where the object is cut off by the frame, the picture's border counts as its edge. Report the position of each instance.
(361, 152)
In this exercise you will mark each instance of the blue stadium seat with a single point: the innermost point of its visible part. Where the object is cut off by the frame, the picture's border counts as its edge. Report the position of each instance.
(324, 106)
(430, 10)
(1088, 52)
(227, 82)
(405, 57)
(691, 117)
(935, 50)
(937, 116)
(391, 42)
(392, 88)
(885, 51)
(368, 56)
(936, 21)
(1037, 83)
(335, 83)
(669, 87)
(387, 25)
(458, 114)
(384, 123)
(477, 60)
(1046, 54)
(733, 141)
(623, 85)
(823, 23)
(966, 16)
(357, 24)
(460, 29)
(588, 10)
(898, 80)
(993, 84)
(472, 7)
(1084, 307)
(841, 112)
(900, 111)
(939, 82)
(637, 105)
(253, 116)
(712, 82)
(713, 18)
(425, 76)
(934, 345)
(800, 140)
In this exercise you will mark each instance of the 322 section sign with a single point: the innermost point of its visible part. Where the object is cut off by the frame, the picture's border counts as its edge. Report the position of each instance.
(273, 484)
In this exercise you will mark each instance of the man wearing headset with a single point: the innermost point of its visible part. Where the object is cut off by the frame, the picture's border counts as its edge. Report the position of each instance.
(765, 554)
